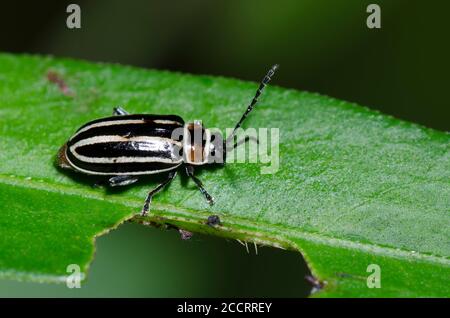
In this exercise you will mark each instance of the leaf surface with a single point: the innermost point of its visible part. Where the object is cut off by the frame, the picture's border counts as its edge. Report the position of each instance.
(353, 187)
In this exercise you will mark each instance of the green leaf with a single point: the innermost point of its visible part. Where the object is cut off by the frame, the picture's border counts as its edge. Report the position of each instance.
(353, 188)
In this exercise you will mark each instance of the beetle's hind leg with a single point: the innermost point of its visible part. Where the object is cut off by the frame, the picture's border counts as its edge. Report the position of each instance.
(119, 181)
(158, 188)
(119, 111)
(190, 173)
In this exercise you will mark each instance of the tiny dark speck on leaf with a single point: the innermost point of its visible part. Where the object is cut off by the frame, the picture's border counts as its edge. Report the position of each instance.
(55, 78)
(213, 220)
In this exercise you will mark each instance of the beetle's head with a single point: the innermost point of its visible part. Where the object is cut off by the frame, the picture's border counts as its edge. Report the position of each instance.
(201, 145)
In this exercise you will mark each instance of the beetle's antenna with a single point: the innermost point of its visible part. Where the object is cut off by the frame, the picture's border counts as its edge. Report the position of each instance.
(250, 107)
(246, 139)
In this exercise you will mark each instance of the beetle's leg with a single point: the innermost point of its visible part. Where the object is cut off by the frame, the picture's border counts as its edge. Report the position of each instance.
(246, 139)
(118, 181)
(190, 173)
(119, 111)
(158, 188)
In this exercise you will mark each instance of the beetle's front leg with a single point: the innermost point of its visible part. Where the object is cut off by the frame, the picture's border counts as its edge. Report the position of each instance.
(119, 111)
(119, 181)
(158, 188)
(190, 173)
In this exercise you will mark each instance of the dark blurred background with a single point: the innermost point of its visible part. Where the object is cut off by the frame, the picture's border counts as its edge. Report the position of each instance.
(323, 46)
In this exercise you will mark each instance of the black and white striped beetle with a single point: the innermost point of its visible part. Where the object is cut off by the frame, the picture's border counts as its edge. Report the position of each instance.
(124, 147)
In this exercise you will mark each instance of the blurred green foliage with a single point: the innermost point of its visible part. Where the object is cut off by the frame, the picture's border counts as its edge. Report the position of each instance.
(322, 46)
(138, 261)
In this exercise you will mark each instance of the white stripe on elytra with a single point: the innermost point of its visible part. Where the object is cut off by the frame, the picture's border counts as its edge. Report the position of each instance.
(108, 123)
(152, 144)
(113, 121)
(127, 159)
(134, 173)
(166, 122)
(117, 138)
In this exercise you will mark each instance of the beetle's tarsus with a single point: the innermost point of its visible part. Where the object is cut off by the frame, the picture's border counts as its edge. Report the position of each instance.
(190, 173)
(119, 111)
(120, 181)
(210, 200)
(145, 209)
(158, 188)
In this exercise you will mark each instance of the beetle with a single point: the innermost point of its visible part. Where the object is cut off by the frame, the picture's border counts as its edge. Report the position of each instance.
(125, 146)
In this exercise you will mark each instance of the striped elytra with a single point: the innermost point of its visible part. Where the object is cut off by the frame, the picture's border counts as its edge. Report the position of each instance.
(125, 145)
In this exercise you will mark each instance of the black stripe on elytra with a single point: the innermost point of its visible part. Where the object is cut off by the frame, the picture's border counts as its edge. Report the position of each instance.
(145, 117)
(128, 130)
(126, 149)
(114, 168)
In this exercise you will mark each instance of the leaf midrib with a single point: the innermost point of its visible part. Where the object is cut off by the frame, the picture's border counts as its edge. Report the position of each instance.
(262, 232)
